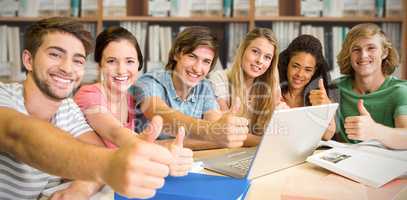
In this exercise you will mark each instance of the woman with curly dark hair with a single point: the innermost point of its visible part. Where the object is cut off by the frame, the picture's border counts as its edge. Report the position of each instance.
(304, 76)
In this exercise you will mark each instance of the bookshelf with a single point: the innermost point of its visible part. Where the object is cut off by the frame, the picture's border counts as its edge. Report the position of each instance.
(289, 12)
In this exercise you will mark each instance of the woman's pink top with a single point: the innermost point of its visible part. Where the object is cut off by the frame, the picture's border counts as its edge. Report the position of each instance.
(91, 95)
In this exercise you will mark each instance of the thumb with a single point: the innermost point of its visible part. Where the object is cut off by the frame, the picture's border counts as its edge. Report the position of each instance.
(179, 140)
(321, 84)
(235, 108)
(151, 133)
(362, 109)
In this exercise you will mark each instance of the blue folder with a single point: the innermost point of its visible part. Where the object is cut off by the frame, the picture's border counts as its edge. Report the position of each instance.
(196, 186)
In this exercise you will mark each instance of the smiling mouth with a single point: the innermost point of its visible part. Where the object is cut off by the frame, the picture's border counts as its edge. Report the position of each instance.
(61, 80)
(121, 78)
(193, 75)
(255, 68)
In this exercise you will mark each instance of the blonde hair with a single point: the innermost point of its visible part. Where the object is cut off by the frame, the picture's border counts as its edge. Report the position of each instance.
(264, 87)
(389, 64)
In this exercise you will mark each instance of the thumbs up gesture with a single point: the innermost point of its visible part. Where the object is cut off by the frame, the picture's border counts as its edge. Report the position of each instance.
(183, 157)
(361, 127)
(230, 130)
(319, 96)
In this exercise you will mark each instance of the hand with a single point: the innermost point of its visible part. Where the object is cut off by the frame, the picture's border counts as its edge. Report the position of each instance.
(360, 127)
(68, 195)
(183, 157)
(230, 130)
(137, 169)
(318, 97)
(77, 189)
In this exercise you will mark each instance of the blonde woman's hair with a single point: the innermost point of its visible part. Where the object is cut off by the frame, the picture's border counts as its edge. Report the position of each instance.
(364, 30)
(265, 87)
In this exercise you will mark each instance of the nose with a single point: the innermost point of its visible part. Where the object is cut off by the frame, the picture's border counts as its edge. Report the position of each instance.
(259, 59)
(299, 72)
(121, 69)
(197, 67)
(66, 66)
(363, 53)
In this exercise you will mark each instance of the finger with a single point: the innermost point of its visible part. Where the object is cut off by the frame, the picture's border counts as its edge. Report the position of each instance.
(235, 108)
(153, 152)
(179, 140)
(362, 109)
(238, 121)
(154, 169)
(138, 192)
(353, 119)
(236, 137)
(234, 131)
(148, 182)
(351, 125)
(351, 131)
(321, 85)
(185, 153)
(151, 133)
(233, 144)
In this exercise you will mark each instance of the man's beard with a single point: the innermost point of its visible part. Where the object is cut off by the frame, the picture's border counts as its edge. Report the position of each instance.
(46, 89)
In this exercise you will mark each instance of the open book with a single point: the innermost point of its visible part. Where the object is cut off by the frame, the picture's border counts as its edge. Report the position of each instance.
(369, 163)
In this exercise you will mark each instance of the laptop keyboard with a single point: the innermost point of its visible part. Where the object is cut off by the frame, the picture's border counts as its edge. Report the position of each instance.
(242, 164)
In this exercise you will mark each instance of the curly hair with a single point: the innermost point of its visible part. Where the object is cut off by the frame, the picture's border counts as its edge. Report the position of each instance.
(359, 31)
(308, 44)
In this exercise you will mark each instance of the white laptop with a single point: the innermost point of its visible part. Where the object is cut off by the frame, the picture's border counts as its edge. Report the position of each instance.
(291, 136)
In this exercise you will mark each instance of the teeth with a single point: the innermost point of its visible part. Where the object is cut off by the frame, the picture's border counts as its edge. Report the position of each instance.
(193, 75)
(124, 78)
(61, 79)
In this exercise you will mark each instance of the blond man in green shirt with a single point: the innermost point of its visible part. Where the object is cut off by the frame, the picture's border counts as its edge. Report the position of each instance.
(373, 104)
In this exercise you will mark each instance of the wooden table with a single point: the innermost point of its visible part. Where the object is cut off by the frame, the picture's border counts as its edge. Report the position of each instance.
(303, 182)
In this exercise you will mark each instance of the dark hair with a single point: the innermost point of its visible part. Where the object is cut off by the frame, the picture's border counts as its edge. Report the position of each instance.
(308, 44)
(188, 40)
(33, 37)
(116, 33)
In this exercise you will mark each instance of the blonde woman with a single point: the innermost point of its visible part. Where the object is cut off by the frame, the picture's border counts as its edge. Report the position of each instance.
(252, 80)
(373, 103)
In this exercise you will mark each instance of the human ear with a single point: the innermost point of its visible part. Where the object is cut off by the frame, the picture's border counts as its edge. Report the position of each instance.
(28, 60)
(385, 53)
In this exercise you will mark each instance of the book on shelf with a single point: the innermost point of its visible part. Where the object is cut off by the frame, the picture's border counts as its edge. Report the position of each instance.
(89, 8)
(8, 8)
(394, 8)
(240, 8)
(266, 8)
(369, 163)
(114, 8)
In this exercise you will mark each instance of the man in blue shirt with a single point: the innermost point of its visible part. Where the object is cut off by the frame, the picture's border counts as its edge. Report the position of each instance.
(182, 96)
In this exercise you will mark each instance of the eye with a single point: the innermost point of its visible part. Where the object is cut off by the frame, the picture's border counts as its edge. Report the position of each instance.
(255, 51)
(355, 50)
(207, 61)
(54, 55)
(371, 48)
(268, 58)
(79, 61)
(110, 61)
(309, 70)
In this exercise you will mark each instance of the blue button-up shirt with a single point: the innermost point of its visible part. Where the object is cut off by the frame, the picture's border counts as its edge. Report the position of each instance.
(159, 84)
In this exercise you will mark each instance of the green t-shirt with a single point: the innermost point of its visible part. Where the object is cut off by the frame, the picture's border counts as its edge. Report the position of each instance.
(384, 105)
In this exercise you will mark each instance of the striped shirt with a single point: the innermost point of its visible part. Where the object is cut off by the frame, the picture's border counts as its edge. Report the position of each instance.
(18, 180)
